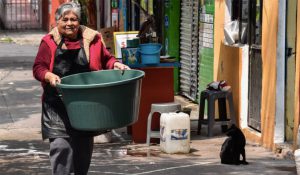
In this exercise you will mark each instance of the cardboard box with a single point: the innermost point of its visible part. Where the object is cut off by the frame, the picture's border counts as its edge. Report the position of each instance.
(108, 38)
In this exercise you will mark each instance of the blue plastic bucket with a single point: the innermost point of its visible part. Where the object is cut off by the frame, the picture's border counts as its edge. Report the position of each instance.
(150, 53)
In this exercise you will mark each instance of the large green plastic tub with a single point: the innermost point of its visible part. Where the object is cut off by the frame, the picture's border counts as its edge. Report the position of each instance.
(102, 100)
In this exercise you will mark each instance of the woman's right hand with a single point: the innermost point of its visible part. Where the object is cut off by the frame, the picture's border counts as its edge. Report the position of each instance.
(52, 79)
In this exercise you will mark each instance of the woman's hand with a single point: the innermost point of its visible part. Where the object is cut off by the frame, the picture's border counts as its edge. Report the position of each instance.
(52, 78)
(120, 66)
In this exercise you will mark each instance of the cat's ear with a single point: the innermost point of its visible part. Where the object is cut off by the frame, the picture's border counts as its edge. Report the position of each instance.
(233, 126)
(230, 131)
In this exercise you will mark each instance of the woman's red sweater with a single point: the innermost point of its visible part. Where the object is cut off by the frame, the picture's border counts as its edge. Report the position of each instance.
(99, 57)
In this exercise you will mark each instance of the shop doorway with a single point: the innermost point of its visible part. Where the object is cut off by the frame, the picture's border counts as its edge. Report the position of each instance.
(255, 64)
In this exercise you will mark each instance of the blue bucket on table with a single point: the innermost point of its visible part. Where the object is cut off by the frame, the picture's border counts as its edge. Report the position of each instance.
(150, 53)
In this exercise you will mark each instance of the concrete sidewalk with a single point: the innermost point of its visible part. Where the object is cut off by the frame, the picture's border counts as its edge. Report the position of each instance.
(23, 152)
(121, 156)
(32, 37)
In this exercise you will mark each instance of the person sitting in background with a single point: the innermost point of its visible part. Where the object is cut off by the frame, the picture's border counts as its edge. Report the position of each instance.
(68, 49)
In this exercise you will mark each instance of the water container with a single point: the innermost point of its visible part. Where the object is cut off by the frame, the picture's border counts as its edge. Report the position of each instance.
(101, 100)
(150, 53)
(175, 133)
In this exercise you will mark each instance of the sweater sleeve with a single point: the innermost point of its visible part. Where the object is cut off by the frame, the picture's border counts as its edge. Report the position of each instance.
(42, 62)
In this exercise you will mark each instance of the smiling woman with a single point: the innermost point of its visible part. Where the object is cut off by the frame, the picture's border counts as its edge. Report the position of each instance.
(69, 48)
(67, 18)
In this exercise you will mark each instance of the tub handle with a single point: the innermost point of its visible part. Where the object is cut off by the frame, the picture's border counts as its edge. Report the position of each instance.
(59, 92)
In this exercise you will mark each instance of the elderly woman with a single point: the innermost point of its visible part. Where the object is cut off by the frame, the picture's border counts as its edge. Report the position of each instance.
(68, 49)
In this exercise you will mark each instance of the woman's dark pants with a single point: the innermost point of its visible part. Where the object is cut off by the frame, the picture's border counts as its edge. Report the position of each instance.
(71, 155)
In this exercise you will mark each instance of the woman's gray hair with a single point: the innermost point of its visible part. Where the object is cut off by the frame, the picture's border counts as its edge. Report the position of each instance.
(69, 6)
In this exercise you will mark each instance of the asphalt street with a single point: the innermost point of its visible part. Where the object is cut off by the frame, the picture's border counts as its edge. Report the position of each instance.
(22, 152)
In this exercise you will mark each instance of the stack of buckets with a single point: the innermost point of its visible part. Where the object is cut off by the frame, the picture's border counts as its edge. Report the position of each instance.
(150, 53)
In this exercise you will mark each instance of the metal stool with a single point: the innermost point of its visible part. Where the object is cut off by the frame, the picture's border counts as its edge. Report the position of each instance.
(160, 108)
(211, 97)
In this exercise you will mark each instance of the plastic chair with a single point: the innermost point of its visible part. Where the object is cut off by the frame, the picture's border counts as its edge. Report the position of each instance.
(211, 96)
(160, 108)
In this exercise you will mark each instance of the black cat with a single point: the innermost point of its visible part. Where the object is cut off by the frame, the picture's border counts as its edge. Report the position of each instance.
(233, 147)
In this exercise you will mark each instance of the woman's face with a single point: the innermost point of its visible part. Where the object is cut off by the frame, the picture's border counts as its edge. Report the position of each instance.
(68, 25)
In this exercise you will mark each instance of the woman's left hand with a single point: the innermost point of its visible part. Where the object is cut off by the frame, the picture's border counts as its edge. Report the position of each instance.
(121, 66)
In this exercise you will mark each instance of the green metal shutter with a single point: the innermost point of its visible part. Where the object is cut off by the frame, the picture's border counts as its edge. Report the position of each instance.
(189, 48)
(172, 34)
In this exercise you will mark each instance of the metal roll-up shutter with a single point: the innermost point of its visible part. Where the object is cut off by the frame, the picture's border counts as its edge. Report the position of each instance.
(189, 48)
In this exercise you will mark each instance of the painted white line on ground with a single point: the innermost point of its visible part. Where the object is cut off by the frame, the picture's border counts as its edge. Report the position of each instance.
(27, 151)
(106, 172)
(159, 170)
(171, 168)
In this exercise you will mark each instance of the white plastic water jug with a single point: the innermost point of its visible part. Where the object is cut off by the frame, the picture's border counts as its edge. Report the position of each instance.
(175, 132)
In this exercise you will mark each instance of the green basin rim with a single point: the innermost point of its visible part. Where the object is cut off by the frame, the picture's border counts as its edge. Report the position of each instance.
(114, 83)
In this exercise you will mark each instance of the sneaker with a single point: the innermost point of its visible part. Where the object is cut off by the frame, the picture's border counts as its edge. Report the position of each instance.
(213, 86)
(223, 86)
